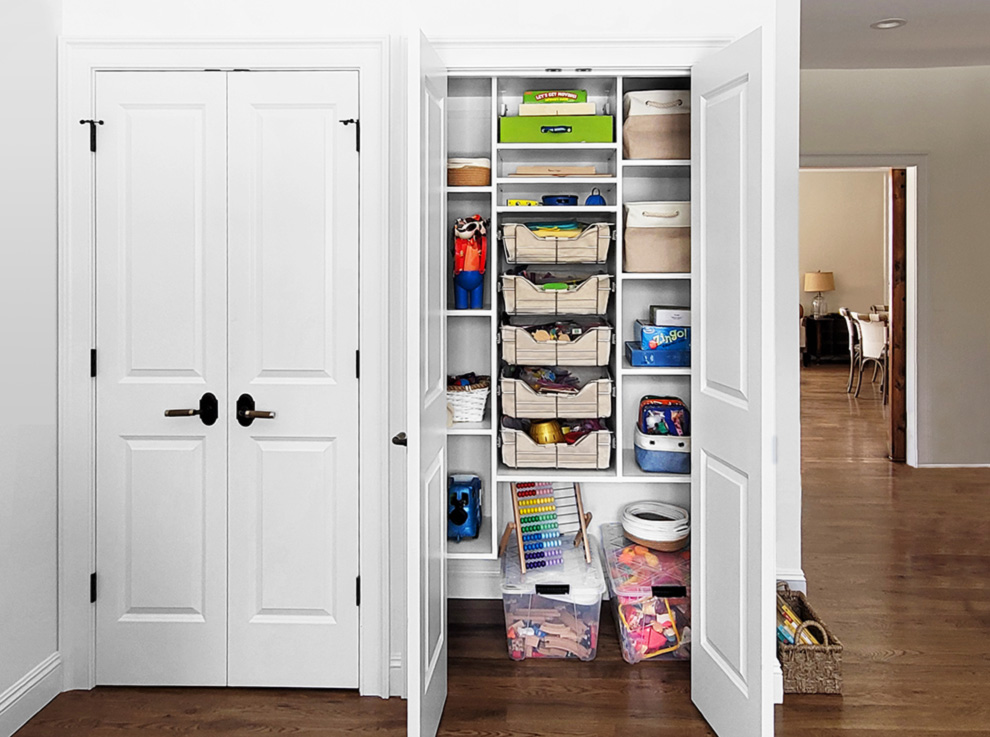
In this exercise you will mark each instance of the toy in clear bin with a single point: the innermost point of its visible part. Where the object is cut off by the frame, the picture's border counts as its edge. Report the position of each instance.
(651, 597)
(470, 255)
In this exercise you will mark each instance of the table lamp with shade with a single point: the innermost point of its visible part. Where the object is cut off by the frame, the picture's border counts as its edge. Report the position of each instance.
(819, 281)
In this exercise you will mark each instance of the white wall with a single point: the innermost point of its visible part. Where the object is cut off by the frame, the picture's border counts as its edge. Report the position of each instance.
(315, 18)
(844, 230)
(28, 610)
(942, 113)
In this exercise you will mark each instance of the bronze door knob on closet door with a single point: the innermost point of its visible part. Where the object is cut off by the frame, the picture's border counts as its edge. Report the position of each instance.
(246, 413)
(208, 411)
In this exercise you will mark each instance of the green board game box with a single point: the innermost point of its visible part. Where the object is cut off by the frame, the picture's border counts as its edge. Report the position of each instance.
(555, 96)
(556, 129)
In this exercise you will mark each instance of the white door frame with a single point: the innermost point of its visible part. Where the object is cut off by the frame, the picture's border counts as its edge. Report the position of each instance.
(918, 301)
(79, 60)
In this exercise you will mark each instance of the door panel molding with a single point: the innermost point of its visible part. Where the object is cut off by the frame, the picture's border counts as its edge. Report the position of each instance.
(79, 60)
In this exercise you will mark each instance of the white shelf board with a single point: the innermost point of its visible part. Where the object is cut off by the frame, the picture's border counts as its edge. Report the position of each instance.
(487, 312)
(505, 474)
(630, 370)
(632, 472)
(556, 180)
(550, 210)
(481, 548)
(469, 190)
(656, 162)
(557, 146)
(656, 276)
(471, 428)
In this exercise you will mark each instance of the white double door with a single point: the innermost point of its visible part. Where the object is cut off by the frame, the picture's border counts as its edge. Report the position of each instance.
(227, 262)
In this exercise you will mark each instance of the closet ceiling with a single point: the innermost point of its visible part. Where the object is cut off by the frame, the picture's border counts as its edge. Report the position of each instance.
(836, 34)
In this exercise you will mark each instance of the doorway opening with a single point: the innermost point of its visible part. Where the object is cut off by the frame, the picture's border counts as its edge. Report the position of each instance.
(858, 271)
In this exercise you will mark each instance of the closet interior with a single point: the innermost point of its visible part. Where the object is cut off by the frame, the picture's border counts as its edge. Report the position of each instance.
(486, 340)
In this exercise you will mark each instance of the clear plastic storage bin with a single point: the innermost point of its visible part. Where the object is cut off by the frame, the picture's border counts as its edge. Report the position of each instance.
(651, 597)
(553, 612)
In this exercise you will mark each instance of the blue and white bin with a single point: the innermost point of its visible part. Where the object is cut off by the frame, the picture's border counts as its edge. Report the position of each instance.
(663, 453)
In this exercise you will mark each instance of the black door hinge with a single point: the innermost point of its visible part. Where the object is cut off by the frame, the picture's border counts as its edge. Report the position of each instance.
(92, 362)
(92, 588)
(357, 126)
(92, 132)
(357, 364)
(358, 591)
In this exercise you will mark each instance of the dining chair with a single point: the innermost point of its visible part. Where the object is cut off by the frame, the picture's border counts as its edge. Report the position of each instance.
(855, 355)
(873, 348)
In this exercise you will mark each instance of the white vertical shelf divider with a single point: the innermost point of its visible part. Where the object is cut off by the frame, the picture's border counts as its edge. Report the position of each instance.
(619, 348)
(494, 497)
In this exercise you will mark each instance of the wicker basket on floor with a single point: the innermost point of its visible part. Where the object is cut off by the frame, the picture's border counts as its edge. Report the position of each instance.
(468, 402)
(809, 668)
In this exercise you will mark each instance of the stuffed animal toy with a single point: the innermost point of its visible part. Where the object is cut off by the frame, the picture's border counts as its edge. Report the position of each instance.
(470, 255)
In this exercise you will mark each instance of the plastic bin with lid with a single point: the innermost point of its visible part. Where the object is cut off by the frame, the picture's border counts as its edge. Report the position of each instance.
(651, 597)
(553, 612)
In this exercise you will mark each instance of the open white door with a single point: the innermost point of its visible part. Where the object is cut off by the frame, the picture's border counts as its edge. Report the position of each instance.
(733, 494)
(426, 536)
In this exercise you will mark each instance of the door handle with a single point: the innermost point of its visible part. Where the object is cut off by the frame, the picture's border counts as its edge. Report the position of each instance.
(208, 411)
(400, 439)
(246, 413)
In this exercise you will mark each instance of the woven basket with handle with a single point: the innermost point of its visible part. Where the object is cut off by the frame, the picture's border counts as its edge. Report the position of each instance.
(468, 402)
(809, 668)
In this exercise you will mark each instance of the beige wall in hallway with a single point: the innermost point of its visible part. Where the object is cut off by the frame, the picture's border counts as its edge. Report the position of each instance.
(843, 230)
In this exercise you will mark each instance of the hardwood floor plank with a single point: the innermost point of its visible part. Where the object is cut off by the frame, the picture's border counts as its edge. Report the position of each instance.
(898, 563)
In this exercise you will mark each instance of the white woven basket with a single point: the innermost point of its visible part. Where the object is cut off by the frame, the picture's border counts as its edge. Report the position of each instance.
(468, 402)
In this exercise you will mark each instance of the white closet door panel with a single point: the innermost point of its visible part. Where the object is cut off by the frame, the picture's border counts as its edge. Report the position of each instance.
(293, 230)
(732, 490)
(161, 333)
(426, 583)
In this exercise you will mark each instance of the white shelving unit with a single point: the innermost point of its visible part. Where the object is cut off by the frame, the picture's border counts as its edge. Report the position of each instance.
(475, 103)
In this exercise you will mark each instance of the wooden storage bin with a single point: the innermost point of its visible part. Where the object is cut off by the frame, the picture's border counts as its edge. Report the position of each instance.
(523, 297)
(593, 451)
(594, 399)
(523, 247)
(591, 349)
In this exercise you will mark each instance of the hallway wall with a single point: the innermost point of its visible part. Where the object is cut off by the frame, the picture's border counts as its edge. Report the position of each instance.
(29, 674)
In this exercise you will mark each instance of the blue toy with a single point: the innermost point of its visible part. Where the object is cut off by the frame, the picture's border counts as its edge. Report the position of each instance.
(463, 506)
(595, 198)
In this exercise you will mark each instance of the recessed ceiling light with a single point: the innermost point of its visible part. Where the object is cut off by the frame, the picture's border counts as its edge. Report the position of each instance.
(888, 23)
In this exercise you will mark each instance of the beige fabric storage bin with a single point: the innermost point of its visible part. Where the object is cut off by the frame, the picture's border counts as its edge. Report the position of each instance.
(657, 124)
(523, 247)
(594, 399)
(523, 297)
(657, 237)
(593, 451)
(521, 348)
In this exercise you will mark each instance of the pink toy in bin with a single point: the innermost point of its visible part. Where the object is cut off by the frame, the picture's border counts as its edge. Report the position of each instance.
(651, 597)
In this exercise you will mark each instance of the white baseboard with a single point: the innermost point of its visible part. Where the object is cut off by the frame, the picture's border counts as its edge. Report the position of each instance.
(480, 584)
(953, 465)
(396, 676)
(30, 693)
(793, 577)
(778, 683)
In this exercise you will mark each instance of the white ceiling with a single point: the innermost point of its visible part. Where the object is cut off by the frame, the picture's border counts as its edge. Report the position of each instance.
(836, 34)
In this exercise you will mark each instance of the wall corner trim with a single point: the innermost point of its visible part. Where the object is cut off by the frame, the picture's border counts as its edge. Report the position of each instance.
(793, 577)
(30, 693)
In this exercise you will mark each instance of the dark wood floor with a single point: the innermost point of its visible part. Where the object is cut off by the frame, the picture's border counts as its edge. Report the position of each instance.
(899, 564)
